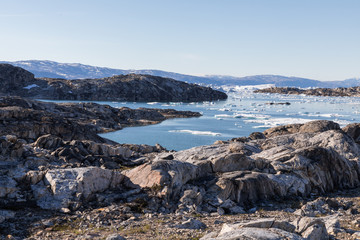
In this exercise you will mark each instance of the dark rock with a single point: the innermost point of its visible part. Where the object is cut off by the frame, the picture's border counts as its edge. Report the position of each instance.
(333, 92)
(318, 126)
(132, 87)
(353, 130)
(278, 103)
(30, 119)
(49, 142)
(282, 130)
(13, 78)
(256, 135)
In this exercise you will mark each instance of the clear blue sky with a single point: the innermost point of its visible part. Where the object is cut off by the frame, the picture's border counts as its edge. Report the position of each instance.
(318, 39)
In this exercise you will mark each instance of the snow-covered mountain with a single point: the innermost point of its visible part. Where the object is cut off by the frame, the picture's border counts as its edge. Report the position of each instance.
(76, 71)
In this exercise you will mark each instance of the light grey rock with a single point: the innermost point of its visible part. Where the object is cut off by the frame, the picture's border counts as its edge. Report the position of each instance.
(115, 237)
(313, 208)
(356, 235)
(170, 175)
(303, 223)
(191, 197)
(332, 224)
(311, 228)
(284, 225)
(263, 223)
(258, 229)
(73, 185)
(315, 232)
(255, 234)
(191, 224)
(232, 162)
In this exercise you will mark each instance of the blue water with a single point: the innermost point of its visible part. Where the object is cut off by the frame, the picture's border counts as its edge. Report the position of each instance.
(240, 115)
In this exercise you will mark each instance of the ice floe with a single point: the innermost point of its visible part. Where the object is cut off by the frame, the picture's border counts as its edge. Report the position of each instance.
(273, 122)
(209, 133)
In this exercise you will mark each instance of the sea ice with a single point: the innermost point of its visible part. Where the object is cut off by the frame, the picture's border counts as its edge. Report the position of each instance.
(197, 132)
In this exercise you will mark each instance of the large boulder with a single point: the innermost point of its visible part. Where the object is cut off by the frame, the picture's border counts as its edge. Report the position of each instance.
(168, 175)
(318, 126)
(64, 188)
(271, 229)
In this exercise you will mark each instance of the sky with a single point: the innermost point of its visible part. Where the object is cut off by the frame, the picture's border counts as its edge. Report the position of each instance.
(318, 39)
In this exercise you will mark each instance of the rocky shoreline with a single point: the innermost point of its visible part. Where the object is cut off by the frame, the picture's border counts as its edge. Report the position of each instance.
(15, 81)
(30, 119)
(60, 180)
(40, 139)
(328, 92)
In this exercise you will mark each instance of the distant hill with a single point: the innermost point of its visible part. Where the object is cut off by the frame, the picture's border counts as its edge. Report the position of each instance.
(16, 81)
(80, 71)
(267, 79)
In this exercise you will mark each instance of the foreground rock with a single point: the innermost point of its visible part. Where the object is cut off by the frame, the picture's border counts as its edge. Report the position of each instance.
(52, 157)
(317, 158)
(273, 184)
(271, 229)
(330, 92)
(132, 87)
(69, 186)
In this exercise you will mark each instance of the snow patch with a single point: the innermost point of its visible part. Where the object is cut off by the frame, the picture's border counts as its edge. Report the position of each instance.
(31, 86)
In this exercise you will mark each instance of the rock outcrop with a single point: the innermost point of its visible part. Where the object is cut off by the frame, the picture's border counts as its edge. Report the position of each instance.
(29, 119)
(132, 87)
(51, 155)
(312, 158)
(331, 92)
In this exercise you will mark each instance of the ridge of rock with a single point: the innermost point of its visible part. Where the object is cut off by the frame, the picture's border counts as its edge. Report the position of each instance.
(331, 92)
(131, 87)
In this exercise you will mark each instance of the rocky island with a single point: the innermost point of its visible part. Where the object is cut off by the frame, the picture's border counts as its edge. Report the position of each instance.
(132, 87)
(329, 92)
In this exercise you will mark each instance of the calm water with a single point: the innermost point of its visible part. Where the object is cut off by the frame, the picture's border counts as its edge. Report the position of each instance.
(240, 115)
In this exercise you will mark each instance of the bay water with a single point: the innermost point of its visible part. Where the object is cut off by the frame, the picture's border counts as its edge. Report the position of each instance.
(241, 114)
